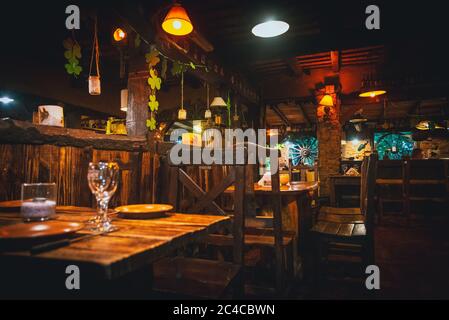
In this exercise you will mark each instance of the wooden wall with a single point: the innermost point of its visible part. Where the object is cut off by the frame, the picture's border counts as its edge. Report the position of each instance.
(67, 167)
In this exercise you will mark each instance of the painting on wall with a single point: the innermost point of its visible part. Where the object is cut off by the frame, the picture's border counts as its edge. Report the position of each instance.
(393, 146)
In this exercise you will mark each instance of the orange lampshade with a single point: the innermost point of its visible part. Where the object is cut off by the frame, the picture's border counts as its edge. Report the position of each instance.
(177, 22)
(119, 34)
(327, 101)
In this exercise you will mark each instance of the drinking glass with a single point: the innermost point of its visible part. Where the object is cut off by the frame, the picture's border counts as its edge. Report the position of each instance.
(103, 181)
(38, 201)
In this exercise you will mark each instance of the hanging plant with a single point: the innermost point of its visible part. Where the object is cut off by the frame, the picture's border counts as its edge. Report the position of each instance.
(155, 82)
(72, 54)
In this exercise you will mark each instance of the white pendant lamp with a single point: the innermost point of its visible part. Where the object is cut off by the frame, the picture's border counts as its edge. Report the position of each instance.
(218, 102)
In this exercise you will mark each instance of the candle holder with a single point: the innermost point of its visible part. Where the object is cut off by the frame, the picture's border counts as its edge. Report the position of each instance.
(38, 201)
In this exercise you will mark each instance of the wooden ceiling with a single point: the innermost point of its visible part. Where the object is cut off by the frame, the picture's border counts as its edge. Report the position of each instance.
(331, 59)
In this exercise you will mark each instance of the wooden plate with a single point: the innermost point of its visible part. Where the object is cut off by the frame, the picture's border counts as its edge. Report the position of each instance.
(13, 205)
(23, 231)
(143, 211)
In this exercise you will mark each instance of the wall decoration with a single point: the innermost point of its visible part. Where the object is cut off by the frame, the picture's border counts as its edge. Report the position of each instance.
(73, 56)
(303, 150)
(393, 146)
(94, 80)
(155, 82)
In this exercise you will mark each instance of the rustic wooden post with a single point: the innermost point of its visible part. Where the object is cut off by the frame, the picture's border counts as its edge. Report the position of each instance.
(137, 114)
(329, 138)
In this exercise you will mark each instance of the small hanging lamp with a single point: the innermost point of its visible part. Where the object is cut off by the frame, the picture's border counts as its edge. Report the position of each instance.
(94, 81)
(177, 21)
(208, 113)
(371, 88)
(218, 102)
(182, 114)
(124, 100)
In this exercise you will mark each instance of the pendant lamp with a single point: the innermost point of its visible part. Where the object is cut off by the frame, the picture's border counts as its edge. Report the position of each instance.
(177, 21)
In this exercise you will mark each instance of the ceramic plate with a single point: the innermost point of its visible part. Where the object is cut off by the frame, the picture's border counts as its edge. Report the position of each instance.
(144, 211)
(22, 231)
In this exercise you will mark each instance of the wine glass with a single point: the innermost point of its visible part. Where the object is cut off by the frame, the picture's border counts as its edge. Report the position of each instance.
(103, 181)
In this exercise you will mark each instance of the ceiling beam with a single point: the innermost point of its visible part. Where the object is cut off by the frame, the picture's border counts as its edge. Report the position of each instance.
(294, 68)
(304, 114)
(281, 115)
(335, 58)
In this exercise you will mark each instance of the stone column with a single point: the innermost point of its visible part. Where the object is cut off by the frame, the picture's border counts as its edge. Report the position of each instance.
(329, 138)
(137, 114)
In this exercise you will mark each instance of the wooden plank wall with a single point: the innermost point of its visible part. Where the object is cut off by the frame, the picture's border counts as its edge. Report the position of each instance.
(67, 167)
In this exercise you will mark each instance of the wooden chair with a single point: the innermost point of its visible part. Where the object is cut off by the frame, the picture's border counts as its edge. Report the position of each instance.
(426, 184)
(340, 231)
(200, 278)
(391, 187)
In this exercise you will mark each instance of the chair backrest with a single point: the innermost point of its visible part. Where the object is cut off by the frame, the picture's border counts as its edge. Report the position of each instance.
(205, 201)
(367, 190)
(390, 169)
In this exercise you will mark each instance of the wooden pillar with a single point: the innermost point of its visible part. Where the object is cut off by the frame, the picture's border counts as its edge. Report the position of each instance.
(329, 138)
(137, 115)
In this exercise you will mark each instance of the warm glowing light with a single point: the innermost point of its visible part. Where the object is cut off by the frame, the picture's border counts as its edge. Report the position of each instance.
(327, 101)
(197, 127)
(270, 29)
(182, 114)
(119, 35)
(177, 22)
(372, 94)
(6, 100)
(218, 102)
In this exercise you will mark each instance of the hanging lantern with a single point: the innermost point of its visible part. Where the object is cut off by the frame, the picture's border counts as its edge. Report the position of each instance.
(182, 114)
(94, 85)
(177, 22)
(124, 100)
(218, 119)
(94, 81)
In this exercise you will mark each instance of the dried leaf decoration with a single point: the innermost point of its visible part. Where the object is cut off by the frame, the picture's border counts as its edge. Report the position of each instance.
(72, 54)
(152, 58)
(154, 81)
(153, 104)
(151, 123)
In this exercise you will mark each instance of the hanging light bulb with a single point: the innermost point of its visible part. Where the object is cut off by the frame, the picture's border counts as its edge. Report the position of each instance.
(182, 114)
(119, 35)
(177, 21)
(208, 113)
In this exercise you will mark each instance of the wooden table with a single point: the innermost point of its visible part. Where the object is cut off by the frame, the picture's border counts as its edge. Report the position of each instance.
(137, 243)
(339, 181)
(296, 199)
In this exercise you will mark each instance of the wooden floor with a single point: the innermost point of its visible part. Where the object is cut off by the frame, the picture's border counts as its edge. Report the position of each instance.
(413, 261)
